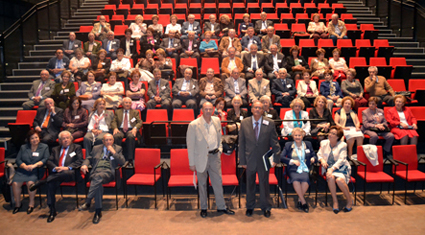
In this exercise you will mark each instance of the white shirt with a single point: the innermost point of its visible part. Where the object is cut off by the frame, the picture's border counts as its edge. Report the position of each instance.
(124, 64)
(128, 119)
(176, 28)
(211, 134)
(402, 117)
(275, 65)
(102, 124)
(251, 40)
(185, 86)
(254, 59)
(235, 84)
(212, 27)
(232, 64)
(264, 25)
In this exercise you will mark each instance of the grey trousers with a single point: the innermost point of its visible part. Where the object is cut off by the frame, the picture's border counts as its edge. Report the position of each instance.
(97, 179)
(263, 177)
(388, 136)
(213, 169)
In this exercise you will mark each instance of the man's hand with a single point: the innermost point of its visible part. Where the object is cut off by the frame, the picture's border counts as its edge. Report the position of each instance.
(88, 53)
(243, 166)
(38, 129)
(52, 109)
(84, 169)
(111, 149)
(61, 168)
(157, 99)
(192, 168)
(37, 99)
(213, 97)
(115, 131)
(134, 132)
(273, 164)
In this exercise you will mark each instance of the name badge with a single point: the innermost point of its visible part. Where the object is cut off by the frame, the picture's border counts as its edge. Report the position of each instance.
(163, 88)
(154, 40)
(103, 63)
(265, 87)
(193, 87)
(243, 26)
(75, 45)
(112, 158)
(133, 120)
(176, 44)
(279, 61)
(131, 44)
(196, 45)
(269, 115)
(254, 41)
(66, 90)
(265, 122)
(195, 28)
(95, 88)
(77, 117)
(307, 151)
(241, 118)
(61, 92)
(35, 154)
(300, 60)
(47, 88)
(289, 86)
(380, 114)
(114, 42)
(72, 154)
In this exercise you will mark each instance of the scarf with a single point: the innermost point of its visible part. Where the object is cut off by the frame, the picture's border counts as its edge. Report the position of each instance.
(297, 123)
(343, 117)
(301, 155)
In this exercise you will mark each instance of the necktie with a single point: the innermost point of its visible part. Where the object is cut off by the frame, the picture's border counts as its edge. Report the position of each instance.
(39, 89)
(171, 43)
(125, 125)
(283, 82)
(46, 121)
(62, 156)
(254, 63)
(190, 46)
(108, 46)
(265, 25)
(256, 130)
(157, 88)
(105, 157)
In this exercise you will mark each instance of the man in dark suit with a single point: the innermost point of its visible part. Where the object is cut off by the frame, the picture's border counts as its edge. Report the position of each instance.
(129, 45)
(185, 91)
(233, 86)
(41, 89)
(275, 61)
(253, 61)
(190, 48)
(48, 121)
(261, 25)
(126, 124)
(212, 26)
(61, 164)
(283, 88)
(256, 136)
(172, 46)
(91, 47)
(249, 40)
(190, 25)
(111, 45)
(159, 92)
(57, 65)
(69, 45)
(104, 159)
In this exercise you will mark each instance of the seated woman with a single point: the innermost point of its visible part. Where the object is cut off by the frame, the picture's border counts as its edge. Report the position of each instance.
(375, 125)
(298, 156)
(208, 47)
(63, 91)
(99, 121)
(149, 42)
(89, 91)
(136, 91)
(338, 65)
(121, 67)
(317, 29)
(295, 63)
(269, 111)
(352, 87)
(225, 25)
(158, 28)
(79, 63)
(320, 64)
(402, 122)
(145, 66)
(243, 27)
(173, 26)
(320, 128)
(332, 156)
(101, 65)
(331, 91)
(219, 112)
(235, 114)
(164, 64)
(75, 118)
(31, 156)
(347, 119)
(307, 89)
(138, 27)
(297, 112)
(112, 91)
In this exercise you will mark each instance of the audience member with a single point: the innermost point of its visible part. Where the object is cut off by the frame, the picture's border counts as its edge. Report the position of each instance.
(112, 91)
(136, 91)
(138, 28)
(235, 86)
(63, 91)
(89, 91)
(190, 26)
(337, 29)
(230, 41)
(69, 45)
(402, 122)
(262, 25)
(57, 65)
(352, 87)
(317, 28)
(253, 61)
(258, 87)
(185, 91)
(100, 66)
(210, 88)
(111, 45)
(295, 63)
(101, 28)
(331, 90)
(270, 39)
(283, 88)
(48, 122)
(378, 86)
(40, 90)
(75, 118)
(307, 89)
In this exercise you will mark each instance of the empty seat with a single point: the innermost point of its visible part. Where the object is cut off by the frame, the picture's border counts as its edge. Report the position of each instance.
(308, 48)
(346, 47)
(381, 64)
(360, 65)
(364, 48)
(401, 69)
(383, 48)
(327, 45)
(369, 31)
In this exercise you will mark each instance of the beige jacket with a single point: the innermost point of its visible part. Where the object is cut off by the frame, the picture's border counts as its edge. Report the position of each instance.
(341, 26)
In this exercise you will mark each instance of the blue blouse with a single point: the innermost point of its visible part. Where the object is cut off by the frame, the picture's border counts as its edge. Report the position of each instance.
(210, 44)
(325, 89)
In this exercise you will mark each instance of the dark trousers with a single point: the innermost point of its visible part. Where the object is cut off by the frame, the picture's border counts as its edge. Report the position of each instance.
(47, 137)
(263, 176)
(130, 142)
(53, 182)
(285, 101)
(97, 179)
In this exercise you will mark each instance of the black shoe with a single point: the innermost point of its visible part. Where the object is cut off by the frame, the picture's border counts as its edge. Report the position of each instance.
(97, 217)
(299, 206)
(84, 207)
(305, 208)
(30, 210)
(249, 212)
(35, 186)
(336, 211)
(51, 217)
(267, 213)
(345, 209)
(203, 213)
(17, 209)
(226, 211)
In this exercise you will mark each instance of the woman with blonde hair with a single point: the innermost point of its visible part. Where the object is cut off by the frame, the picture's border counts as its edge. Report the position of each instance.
(296, 114)
(225, 25)
(138, 27)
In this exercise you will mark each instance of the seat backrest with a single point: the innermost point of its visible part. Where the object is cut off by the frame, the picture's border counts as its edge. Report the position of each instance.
(228, 164)
(369, 167)
(2, 153)
(381, 43)
(351, 26)
(325, 43)
(84, 153)
(346, 16)
(394, 61)
(287, 42)
(179, 162)
(406, 154)
(183, 115)
(111, 6)
(309, 5)
(364, 27)
(323, 5)
(344, 43)
(286, 16)
(282, 112)
(377, 61)
(295, 5)
(301, 16)
(145, 159)
(281, 26)
(397, 84)
(298, 28)
(26, 116)
(119, 29)
(337, 5)
(124, 6)
(156, 115)
(360, 114)
(357, 61)
(418, 112)
(416, 84)
(131, 17)
(306, 43)
(362, 43)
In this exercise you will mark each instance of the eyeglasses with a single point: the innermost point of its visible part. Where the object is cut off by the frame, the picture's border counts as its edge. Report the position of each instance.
(333, 133)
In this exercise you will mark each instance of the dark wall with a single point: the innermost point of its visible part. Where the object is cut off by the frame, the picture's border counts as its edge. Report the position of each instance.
(12, 10)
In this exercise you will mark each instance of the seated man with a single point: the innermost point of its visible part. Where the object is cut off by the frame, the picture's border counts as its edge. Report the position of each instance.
(159, 92)
(379, 87)
(101, 29)
(91, 47)
(249, 40)
(61, 164)
(261, 25)
(69, 45)
(212, 26)
(172, 46)
(228, 42)
(48, 121)
(129, 45)
(41, 89)
(233, 86)
(57, 65)
(185, 91)
(275, 61)
(104, 159)
(283, 88)
(337, 29)
(258, 87)
(126, 124)
(121, 66)
(253, 61)
(210, 88)
(270, 39)
(111, 45)
(229, 63)
(190, 48)
(190, 25)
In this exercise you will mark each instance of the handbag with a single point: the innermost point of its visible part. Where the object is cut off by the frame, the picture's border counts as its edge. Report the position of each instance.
(229, 142)
(374, 129)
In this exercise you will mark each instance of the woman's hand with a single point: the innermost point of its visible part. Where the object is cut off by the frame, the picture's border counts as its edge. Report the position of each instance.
(323, 163)
(71, 125)
(357, 128)
(296, 162)
(405, 126)
(347, 128)
(312, 160)
(415, 127)
(330, 170)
